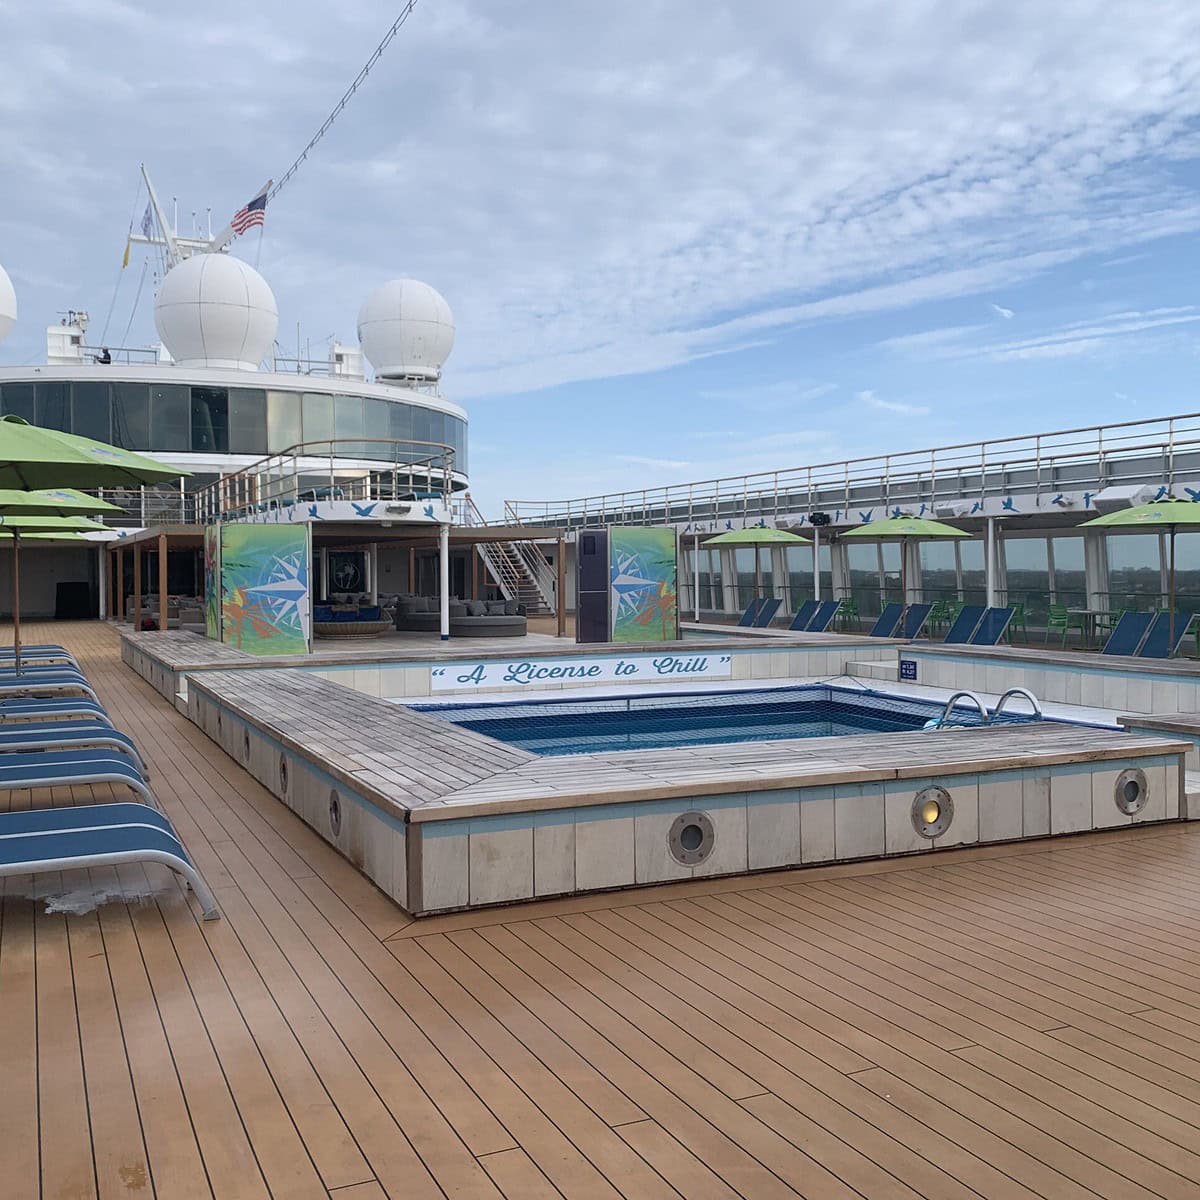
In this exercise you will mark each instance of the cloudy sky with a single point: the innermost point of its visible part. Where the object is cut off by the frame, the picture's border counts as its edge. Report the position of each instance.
(680, 239)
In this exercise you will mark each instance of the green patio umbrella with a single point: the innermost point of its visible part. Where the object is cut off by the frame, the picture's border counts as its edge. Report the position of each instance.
(52, 502)
(903, 529)
(758, 536)
(1168, 514)
(33, 458)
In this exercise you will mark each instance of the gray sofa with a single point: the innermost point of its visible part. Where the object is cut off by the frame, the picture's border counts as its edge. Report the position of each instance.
(468, 618)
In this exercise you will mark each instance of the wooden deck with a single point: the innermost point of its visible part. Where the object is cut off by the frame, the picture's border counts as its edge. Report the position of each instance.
(1022, 1021)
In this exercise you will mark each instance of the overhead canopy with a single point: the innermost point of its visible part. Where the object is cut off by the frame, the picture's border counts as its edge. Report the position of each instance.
(1165, 514)
(52, 502)
(758, 535)
(10, 525)
(32, 457)
(903, 527)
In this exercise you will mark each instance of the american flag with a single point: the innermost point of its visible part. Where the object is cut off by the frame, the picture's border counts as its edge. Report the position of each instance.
(254, 213)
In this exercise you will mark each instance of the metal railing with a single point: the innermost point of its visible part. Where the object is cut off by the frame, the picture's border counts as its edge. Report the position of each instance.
(513, 565)
(1162, 451)
(361, 470)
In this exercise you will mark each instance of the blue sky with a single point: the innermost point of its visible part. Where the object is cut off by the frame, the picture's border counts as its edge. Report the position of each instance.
(679, 241)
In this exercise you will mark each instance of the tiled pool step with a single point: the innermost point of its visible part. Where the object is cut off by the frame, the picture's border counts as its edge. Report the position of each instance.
(874, 670)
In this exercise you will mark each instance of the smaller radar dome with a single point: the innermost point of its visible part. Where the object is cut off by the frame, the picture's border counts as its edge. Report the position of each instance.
(214, 310)
(8, 304)
(406, 330)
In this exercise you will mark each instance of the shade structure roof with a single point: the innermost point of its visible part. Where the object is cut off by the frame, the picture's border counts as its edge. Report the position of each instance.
(32, 457)
(904, 527)
(1165, 513)
(757, 535)
(52, 502)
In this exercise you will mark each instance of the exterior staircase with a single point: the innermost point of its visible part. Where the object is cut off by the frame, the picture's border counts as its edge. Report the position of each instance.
(518, 569)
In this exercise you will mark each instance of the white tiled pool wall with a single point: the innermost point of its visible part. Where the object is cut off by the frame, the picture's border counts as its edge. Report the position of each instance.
(399, 681)
(1115, 688)
(372, 839)
(493, 859)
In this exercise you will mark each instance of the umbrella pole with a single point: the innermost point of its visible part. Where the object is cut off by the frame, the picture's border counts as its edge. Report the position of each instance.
(1171, 594)
(17, 599)
(903, 583)
(758, 572)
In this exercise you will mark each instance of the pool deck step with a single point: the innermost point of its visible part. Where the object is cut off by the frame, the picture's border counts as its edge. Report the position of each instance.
(874, 670)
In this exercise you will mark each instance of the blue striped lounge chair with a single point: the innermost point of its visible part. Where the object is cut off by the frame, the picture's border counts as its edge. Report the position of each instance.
(965, 624)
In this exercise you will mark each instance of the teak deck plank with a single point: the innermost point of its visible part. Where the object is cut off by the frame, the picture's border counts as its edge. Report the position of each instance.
(1002, 1022)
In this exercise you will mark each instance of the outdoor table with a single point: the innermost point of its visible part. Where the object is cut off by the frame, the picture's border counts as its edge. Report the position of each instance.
(1090, 617)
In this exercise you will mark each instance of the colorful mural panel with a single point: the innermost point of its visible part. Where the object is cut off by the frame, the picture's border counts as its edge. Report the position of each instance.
(212, 581)
(264, 588)
(645, 600)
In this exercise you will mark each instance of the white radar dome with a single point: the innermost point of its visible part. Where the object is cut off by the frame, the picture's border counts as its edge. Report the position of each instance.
(406, 330)
(216, 311)
(8, 304)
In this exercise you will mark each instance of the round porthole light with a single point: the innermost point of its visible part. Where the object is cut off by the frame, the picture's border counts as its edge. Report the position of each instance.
(283, 774)
(691, 838)
(932, 811)
(1131, 791)
(246, 745)
(335, 812)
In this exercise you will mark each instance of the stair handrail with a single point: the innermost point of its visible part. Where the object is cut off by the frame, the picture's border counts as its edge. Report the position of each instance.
(963, 695)
(1019, 691)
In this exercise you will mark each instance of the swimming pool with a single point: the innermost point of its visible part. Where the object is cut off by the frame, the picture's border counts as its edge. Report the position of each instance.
(648, 722)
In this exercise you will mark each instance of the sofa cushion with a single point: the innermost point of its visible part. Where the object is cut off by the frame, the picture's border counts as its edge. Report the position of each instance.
(458, 608)
(476, 608)
(369, 614)
(322, 612)
(512, 608)
(495, 608)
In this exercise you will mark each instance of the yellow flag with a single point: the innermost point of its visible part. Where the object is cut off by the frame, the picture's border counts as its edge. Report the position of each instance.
(125, 260)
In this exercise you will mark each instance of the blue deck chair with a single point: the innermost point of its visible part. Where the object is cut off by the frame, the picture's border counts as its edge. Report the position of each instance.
(71, 768)
(38, 654)
(804, 614)
(824, 615)
(68, 735)
(44, 682)
(991, 629)
(1128, 632)
(887, 622)
(965, 624)
(52, 708)
(1157, 643)
(747, 618)
(915, 617)
(96, 835)
(766, 613)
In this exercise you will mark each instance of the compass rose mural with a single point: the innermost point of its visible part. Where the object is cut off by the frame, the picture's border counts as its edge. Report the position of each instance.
(264, 588)
(643, 582)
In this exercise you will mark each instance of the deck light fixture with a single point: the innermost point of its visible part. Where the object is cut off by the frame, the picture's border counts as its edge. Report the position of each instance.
(932, 811)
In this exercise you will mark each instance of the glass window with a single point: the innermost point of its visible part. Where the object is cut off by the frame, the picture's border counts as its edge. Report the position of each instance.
(318, 417)
(1070, 580)
(422, 424)
(862, 560)
(939, 571)
(247, 421)
(974, 573)
(17, 399)
(210, 420)
(53, 406)
(1187, 571)
(170, 417)
(131, 416)
(889, 553)
(400, 421)
(348, 416)
(90, 411)
(752, 581)
(283, 421)
(1135, 570)
(1027, 568)
(458, 438)
(712, 597)
(377, 423)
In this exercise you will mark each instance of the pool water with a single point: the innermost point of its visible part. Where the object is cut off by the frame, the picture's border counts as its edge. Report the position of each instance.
(643, 722)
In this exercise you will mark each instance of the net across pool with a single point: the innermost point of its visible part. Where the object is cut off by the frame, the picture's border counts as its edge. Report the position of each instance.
(647, 722)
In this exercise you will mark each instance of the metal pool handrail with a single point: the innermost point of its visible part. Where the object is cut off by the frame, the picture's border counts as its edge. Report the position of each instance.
(983, 712)
(1019, 691)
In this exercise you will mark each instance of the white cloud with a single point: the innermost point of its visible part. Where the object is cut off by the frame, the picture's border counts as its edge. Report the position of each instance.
(892, 406)
(1000, 311)
(660, 464)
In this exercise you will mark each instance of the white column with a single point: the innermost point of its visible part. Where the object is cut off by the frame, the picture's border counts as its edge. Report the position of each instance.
(373, 571)
(325, 580)
(102, 579)
(444, 579)
(990, 561)
(696, 578)
(816, 530)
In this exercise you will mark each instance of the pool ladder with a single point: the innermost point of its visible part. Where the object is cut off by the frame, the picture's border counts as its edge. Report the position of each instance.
(985, 718)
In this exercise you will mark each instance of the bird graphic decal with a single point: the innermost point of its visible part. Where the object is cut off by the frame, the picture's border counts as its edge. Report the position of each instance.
(364, 510)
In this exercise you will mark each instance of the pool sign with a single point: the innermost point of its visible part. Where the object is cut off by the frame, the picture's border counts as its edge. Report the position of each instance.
(550, 672)
(908, 668)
